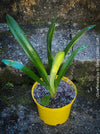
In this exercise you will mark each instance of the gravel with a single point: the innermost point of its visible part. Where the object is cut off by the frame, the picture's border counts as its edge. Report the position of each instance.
(65, 94)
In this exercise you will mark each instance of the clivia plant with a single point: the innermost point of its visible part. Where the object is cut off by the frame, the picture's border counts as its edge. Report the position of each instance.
(54, 63)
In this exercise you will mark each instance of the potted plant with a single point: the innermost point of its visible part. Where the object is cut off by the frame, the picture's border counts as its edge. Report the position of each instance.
(56, 115)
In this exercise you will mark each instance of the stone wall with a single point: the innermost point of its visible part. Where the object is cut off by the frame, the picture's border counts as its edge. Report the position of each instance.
(30, 10)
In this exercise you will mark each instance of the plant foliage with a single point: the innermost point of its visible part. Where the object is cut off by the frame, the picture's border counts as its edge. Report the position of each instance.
(54, 63)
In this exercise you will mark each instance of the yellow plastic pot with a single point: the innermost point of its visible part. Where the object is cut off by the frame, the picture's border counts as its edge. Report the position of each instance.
(54, 116)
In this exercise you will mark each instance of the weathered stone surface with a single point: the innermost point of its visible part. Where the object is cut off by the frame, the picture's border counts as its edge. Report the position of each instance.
(30, 10)
(37, 36)
(18, 112)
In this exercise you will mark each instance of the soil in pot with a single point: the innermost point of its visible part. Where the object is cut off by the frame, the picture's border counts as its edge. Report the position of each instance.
(65, 94)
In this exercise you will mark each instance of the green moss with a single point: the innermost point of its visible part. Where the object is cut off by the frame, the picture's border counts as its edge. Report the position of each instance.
(4, 100)
(2, 50)
(23, 98)
(38, 22)
(24, 86)
(81, 69)
(81, 24)
(2, 34)
(9, 84)
(83, 79)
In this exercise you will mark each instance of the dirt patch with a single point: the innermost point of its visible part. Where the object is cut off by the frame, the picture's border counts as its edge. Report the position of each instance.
(31, 10)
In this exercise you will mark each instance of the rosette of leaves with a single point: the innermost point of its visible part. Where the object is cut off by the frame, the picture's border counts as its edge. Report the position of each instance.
(53, 62)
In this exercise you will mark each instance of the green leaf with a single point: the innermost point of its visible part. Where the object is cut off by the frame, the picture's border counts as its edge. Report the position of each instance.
(45, 100)
(49, 42)
(23, 68)
(67, 64)
(76, 38)
(55, 67)
(27, 47)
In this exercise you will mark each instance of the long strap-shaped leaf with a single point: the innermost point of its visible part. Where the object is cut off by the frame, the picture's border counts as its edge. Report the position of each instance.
(76, 38)
(55, 67)
(23, 68)
(49, 42)
(27, 46)
(67, 64)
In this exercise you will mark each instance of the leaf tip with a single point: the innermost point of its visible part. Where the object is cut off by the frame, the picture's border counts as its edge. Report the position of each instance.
(90, 27)
(3, 60)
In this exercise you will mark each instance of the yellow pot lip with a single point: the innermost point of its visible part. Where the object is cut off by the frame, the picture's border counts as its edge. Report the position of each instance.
(43, 107)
